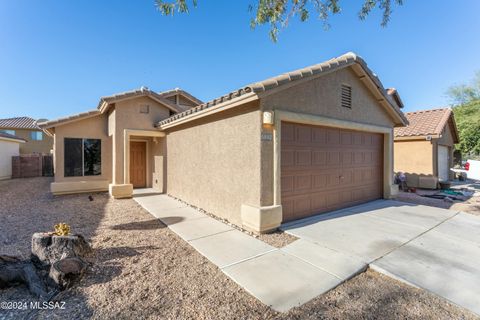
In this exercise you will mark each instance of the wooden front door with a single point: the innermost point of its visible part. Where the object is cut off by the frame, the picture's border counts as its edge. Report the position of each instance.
(138, 164)
(324, 169)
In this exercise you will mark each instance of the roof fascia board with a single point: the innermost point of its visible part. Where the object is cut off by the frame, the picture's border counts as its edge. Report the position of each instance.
(67, 121)
(249, 97)
(104, 106)
(420, 137)
(291, 84)
(12, 140)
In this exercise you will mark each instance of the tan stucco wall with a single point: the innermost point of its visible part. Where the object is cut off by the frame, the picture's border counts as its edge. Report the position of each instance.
(127, 116)
(110, 129)
(32, 146)
(322, 97)
(93, 128)
(8, 150)
(214, 163)
(415, 158)
(420, 157)
(159, 164)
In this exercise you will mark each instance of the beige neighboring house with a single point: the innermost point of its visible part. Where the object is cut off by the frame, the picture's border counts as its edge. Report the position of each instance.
(302, 143)
(27, 129)
(9, 147)
(424, 148)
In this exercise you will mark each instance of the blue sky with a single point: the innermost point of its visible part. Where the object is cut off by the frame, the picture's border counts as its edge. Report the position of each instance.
(58, 57)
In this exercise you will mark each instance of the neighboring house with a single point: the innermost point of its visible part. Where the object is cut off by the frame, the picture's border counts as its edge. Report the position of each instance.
(305, 142)
(27, 129)
(9, 147)
(424, 148)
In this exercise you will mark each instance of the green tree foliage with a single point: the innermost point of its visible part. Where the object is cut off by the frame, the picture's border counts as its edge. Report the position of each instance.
(465, 93)
(467, 117)
(466, 98)
(278, 13)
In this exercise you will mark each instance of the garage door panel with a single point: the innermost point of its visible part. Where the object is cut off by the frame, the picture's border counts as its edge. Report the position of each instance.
(333, 137)
(320, 181)
(288, 132)
(303, 182)
(303, 135)
(288, 157)
(333, 158)
(324, 169)
(319, 135)
(357, 157)
(302, 205)
(319, 158)
(346, 139)
(347, 158)
(288, 183)
(303, 158)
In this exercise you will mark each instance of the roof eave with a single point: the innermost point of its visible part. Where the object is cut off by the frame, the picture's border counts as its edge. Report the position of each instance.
(417, 137)
(240, 100)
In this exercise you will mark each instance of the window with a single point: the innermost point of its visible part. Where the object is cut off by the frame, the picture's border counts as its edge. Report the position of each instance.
(36, 135)
(82, 157)
(12, 132)
(346, 96)
(144, 108)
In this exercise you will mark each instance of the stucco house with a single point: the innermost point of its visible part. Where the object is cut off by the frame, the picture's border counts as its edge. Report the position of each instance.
(9, 147)
(302, 143)
(424, 149)
(27, 129)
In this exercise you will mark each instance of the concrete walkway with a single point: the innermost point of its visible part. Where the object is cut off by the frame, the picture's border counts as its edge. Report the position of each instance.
(281, 278)
(431, 248)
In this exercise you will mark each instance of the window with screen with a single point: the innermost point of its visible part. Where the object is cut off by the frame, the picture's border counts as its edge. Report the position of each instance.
(12, 132)
(82, 157)
(36, 135)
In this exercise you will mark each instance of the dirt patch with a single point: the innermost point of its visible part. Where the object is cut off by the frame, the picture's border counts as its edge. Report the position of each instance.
(142, 270)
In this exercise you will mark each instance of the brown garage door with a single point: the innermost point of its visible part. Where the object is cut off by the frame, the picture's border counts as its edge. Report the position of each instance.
(324, 169)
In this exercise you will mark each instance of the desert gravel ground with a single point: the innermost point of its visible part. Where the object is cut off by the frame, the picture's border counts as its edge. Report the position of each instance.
(144, 271)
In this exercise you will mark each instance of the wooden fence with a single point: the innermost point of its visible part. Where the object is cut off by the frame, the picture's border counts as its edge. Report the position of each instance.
(32, 165)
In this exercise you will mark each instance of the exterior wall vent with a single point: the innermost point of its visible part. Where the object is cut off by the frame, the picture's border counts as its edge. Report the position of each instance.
(346, 96)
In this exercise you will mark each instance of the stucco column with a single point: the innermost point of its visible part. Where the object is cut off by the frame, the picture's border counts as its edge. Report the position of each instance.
(126, 157)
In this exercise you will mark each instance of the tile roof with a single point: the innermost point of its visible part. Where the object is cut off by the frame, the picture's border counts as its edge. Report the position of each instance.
(19, 123)
(345, 60)
(424, 123)
(143, 91)
(82, 115)
(11, 136)
(106, 100)
(182, 92)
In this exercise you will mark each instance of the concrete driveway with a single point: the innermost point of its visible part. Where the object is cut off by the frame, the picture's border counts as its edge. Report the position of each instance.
(431, 248)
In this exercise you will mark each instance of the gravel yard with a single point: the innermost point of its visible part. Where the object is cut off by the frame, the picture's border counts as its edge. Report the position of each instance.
(144, 271)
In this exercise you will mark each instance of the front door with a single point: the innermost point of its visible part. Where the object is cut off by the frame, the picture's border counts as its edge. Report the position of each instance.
(138, 164)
